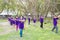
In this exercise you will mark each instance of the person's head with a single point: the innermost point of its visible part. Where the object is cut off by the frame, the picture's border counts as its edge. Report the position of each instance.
(21, 17)
(16, 17)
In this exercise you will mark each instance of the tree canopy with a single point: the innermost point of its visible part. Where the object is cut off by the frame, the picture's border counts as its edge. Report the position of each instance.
(35, 7)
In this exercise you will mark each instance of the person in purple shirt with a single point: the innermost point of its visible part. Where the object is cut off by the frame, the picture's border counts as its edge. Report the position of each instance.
(17, 22)
(21, 25)
(25, 18)
(34, 20)
(13, 21)
(41, 21)
(55, 18)
(29, 20)
(10, 20)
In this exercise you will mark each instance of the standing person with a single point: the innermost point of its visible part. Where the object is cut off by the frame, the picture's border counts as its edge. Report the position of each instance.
(25, 18)
(21, 25)
(13, 20)
(55, 18)
(17, 22)
(10, 20)
(41, 21)
(29, 20)
(34, 20)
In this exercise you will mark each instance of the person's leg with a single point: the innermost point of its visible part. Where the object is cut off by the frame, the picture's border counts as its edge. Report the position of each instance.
(21, 30)
(29, 22)
(41, 25)
(16, 27)
(56, 29)
(53, 28)
(34, 24)
(11, 23)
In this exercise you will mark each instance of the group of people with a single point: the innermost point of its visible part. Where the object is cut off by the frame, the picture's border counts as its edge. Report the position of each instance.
(19, 22)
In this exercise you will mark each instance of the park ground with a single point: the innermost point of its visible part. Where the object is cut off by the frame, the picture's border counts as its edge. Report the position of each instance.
(30, 32)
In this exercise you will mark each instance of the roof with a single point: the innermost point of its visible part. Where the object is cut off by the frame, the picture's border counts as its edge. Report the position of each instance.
(4, 12)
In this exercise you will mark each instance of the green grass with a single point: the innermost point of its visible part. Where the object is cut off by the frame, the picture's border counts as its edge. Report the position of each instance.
(3, 20)
(1, 29)
(32, 32)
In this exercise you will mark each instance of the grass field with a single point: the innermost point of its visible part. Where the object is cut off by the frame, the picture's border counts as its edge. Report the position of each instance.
(32, 32)
(3, 20)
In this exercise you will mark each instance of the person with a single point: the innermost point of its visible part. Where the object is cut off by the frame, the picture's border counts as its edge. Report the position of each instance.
(55, 18)
(10, 20)
(17, 22)
(13, 21)
(34, 20)
(25, 18)
(29, 20)
(41, 21)
(21, 25)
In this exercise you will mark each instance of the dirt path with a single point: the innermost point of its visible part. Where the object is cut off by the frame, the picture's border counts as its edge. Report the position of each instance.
(6, 28)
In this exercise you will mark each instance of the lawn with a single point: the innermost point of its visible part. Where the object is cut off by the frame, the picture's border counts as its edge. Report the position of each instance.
(3, 20)
(32, 32)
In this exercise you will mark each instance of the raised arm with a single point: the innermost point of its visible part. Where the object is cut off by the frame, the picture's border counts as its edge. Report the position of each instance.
(22, 20)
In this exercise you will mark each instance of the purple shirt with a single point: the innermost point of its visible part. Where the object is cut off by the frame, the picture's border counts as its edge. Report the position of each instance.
(13, 21)
(21, 24)
(34, 20)
(17, 21)
(10, 20)
(28, 19)
(55, 21)
(41, 19)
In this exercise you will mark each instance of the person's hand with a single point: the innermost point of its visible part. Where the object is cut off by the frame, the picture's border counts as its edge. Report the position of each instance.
(58, 16)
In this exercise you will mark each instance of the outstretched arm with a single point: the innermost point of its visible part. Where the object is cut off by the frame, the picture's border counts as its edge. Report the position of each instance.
(22, 20)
